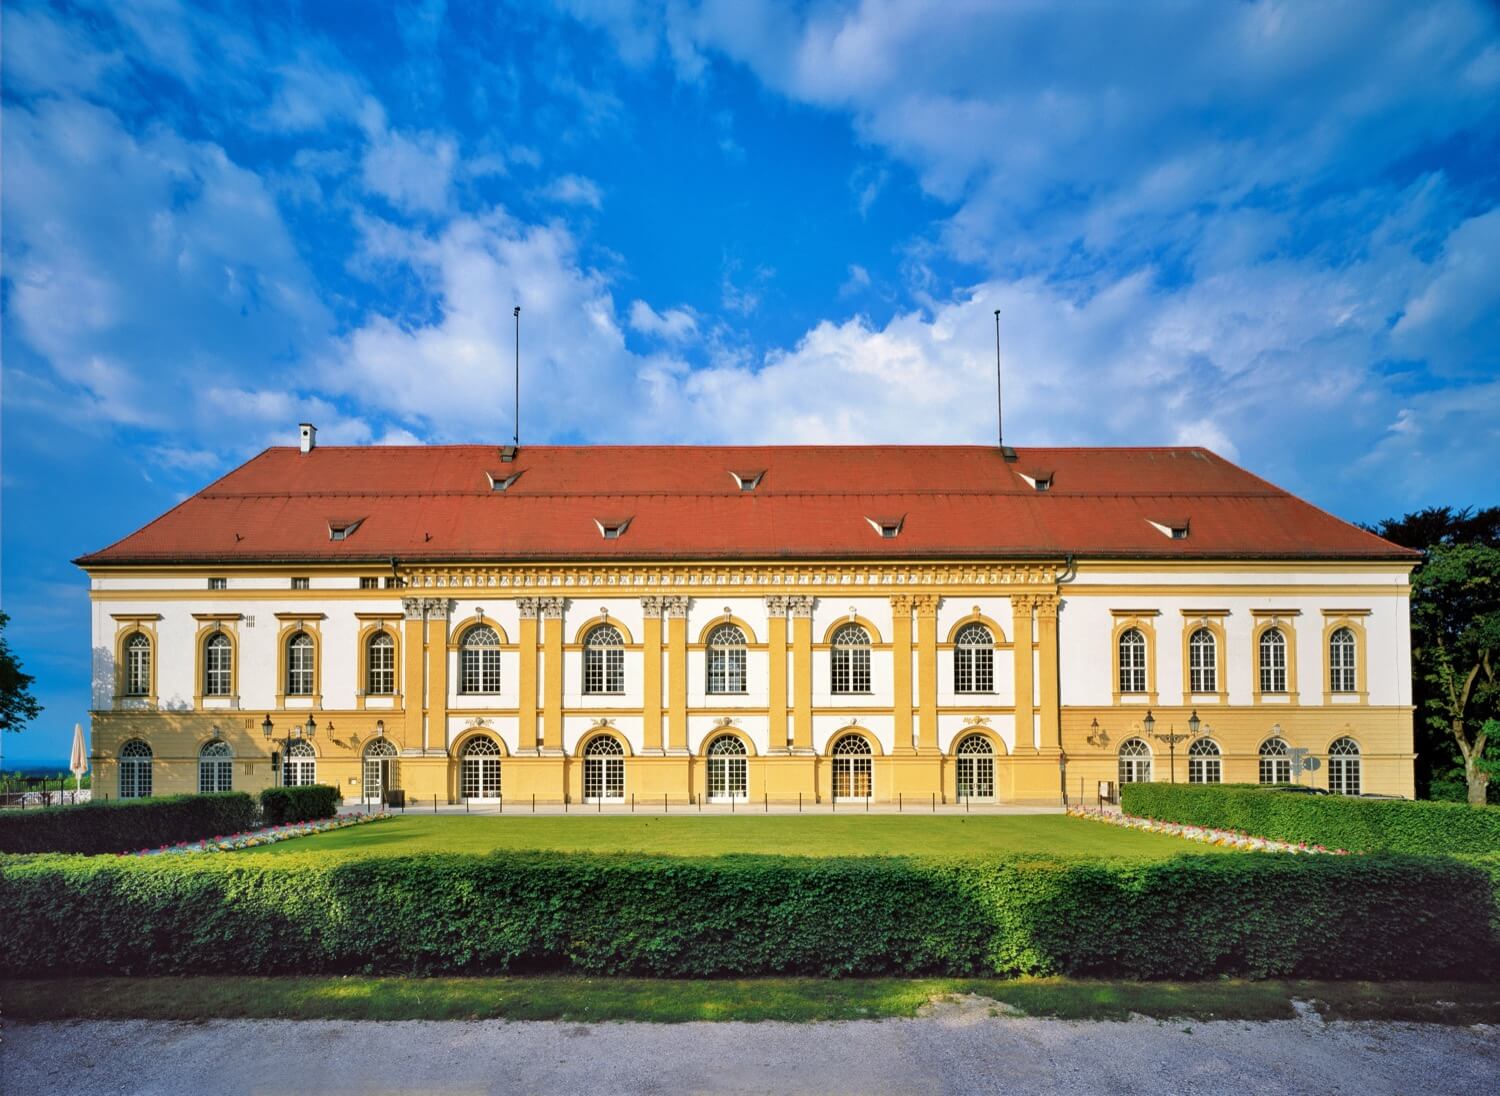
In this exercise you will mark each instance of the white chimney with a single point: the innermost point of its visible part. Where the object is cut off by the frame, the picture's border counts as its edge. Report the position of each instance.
(309, 437)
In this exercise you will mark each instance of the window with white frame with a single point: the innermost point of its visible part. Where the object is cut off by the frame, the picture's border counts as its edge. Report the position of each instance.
(728, 771)
(218, 584)
(1205, 763)
(853, 768)
(137, 665)
(726, 659)
(1341, 654)
(1132, 645)
(974, 768)
(135, 770)
(850, 660)
(1272, 661)
(379, 769)
(215, 768)
(380, 664)
(1275, 762)
(218, 665)
(300, 765)
(300, 657)
(479, 771)
(1203, 661)
(604, 660)
(479, 660)
(301, 583)
(974, 660)
(604, 770)
(1344, 766)
(1135, 762)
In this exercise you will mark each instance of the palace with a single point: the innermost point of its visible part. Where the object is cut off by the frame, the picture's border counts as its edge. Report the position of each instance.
(748, 623)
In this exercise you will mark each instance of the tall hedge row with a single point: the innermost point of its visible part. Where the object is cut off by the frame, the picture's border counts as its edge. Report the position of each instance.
(299, 803)
(1336, 821)
(1369, 917)
(126, 825)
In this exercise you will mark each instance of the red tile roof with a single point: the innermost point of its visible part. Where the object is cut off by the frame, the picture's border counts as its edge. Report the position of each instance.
(435, 503)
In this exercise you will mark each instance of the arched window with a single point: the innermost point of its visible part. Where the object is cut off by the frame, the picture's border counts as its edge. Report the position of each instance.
(1205, 765)
(1203, 661)
(300, 765)
(604, 770)
(1132, 661)
(728, 772)
(1343, 766)
(380, 664)
(853, 770)
(851, 660)
(1272, 661)
(604, 660)
(135, 770)
(1135, 762)
(1341, 675)
(1275, 762)
(479, 660)
(974, 660)
(479, 771)
(137, 665)
(974, 765)
(218, 665)
(215, 767)
(380, 769)
(726, 660)
(299, 665)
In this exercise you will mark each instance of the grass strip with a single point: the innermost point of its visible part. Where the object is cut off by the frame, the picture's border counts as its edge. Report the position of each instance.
(580, 999)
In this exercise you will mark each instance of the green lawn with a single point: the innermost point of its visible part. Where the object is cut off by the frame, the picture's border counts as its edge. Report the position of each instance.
(798, 835)
(675, 1001)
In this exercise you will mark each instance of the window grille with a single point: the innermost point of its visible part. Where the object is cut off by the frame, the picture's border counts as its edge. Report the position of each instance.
(300, 765)
(1344, 767)
(381, 667)
(299, 665)
(726, 660)
(1275, 762)
(974, 766)
(604, 771)
(135, 770)
(1342, 678)
(215, 768)
(853, 770)
(218, 584)
(218, 665)
(1205, 765)
(479, 660)
(1272, 661)
(850, 656)
(138, 665)
(974, 660)
(479, 772)
(604, 660)
(728, 771)
(1203, 662)
(379, 769)
(369, 582)
(301, 584)
(1135, 762)
(1132, 661)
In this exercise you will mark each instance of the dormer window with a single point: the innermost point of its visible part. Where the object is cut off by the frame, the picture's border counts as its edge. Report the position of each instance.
(612, 528)
(1038, 480)
(1174, 529)
(748, 481)
(499, 481)
(343, 530)
(888, 528)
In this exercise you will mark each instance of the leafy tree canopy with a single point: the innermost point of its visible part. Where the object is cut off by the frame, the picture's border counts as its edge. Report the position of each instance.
(17, 706)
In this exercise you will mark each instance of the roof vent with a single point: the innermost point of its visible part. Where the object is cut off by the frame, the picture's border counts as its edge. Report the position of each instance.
(343, 530)
(309, 437)
(889, 528)
(612, 528)
(1039, 480)
(507, 453)
(748, 481)
(499, 481)
(1007, 454)
(1173, 528)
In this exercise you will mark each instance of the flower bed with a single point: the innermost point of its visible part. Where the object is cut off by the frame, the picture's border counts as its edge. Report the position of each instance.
(270, 835)
(1226, 839)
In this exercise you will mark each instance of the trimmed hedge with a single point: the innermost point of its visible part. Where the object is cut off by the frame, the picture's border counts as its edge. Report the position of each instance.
(299, 803)
(1380, 916)
(1335, 821)
(126, 825)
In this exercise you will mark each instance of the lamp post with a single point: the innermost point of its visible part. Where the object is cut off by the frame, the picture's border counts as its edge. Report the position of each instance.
(294, 733)
(1171, 738)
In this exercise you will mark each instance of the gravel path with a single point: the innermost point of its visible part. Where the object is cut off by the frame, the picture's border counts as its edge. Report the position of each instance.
(964, 1051)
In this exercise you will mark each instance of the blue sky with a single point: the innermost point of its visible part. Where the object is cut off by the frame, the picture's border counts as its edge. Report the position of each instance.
(1269, 228)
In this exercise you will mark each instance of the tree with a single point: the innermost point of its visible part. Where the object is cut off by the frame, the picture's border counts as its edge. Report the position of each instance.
(17, 705)
(1436, 525)
(1455, 623)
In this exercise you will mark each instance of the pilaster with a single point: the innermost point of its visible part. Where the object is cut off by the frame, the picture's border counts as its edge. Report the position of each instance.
(527, 734)
(901, 672)
(1051, 706)
(776, 642)
(675, 610)
(552, 696)
(801, 607)
(1020, 608)
(425, 648)
(926, 606)
(651, 700)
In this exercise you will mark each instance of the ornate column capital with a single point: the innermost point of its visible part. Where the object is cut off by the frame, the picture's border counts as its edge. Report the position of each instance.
(926, 605)
(1021, 604)
(675, 607)
(426, 608)
(551, 607)
(651, 605)
(776, 604)
(1046, 605)
(800, 605)
(901, 603)
(529, 607)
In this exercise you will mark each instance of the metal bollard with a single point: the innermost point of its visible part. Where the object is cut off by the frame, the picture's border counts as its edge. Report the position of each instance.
(434, 802)
(867, 804)
(934, 802)
(663, 802)
(900, 802)
(632, 802)
(601, 806)
(799, 802)
(533, 802)
(767, 799)
(466, 805)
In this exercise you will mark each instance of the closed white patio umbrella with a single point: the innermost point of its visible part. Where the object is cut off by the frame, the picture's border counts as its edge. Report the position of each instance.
(80, 760)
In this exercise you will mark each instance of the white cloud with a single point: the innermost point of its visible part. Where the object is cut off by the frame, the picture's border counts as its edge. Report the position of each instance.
(413, 171)
(856, 283)
(674, 325)
(575, 190)
(1454, 323)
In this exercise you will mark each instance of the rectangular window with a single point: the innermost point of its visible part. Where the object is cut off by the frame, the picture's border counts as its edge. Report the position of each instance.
(368, 582)
(392, 583)
(973, 670)
(299, 670)
(382, 669)
(301, 584)
(217, 669)
(851, 670)
(604, 670)
(218, 584)
(479, 670)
